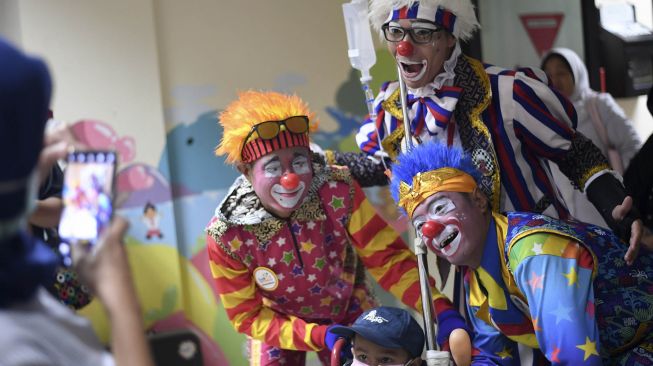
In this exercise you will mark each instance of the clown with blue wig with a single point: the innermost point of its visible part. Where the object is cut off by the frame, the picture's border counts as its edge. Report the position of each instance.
(538, 290)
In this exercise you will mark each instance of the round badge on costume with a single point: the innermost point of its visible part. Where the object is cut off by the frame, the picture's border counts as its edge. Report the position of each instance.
(266, 279)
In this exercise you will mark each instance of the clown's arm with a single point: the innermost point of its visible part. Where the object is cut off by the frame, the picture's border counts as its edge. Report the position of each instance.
(555, 275)
(544, 121)
(246, 311)
(372, 131)
(367, 171)
(490, 346)
(394, 266)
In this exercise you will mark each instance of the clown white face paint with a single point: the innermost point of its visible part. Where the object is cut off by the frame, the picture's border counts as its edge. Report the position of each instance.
(281, 179)
(419, 67)
(459, 227)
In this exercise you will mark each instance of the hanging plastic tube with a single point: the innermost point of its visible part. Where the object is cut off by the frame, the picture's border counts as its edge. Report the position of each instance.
(362, 54)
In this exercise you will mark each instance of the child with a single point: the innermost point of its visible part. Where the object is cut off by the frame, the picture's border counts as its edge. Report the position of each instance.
(384, 336)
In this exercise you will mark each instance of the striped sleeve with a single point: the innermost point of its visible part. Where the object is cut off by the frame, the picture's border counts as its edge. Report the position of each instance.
(246, 311)
(545, 122)
(387, 257)
(373, 131)
(544, 119)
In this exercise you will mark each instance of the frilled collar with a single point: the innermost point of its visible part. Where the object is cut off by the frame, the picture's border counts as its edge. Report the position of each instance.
(442, 79)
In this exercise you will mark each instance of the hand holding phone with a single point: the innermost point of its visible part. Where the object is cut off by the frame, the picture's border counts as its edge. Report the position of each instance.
(87, 197)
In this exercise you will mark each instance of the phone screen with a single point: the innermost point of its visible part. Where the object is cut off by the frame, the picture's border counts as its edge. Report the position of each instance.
(87, 197)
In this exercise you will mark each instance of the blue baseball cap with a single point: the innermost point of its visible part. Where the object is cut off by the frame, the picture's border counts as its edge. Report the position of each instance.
(388, 327)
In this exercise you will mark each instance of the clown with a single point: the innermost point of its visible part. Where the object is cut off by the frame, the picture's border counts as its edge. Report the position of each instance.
(560, 290)
(509, 121)
(290, 243)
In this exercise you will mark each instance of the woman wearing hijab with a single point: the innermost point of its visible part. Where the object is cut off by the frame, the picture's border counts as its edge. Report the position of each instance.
(599, 118)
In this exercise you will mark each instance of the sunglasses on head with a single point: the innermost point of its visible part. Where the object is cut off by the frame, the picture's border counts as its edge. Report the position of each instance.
(270, 129)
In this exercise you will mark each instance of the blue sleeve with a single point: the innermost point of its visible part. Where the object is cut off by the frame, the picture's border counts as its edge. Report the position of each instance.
(490, 346)
(560, 297)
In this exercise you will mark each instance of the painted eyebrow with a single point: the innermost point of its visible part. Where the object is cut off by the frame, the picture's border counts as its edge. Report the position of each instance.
(427, 25)
(274, 159)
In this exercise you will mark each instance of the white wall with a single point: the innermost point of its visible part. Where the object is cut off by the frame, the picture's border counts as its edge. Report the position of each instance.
(223, 47)
(9, 21)
(505, 41)
(103, 59)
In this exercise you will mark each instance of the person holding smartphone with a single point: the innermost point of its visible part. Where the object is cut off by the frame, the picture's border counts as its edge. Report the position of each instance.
(36, 328)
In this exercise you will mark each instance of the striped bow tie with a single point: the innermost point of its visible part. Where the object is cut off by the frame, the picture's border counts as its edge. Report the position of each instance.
(433, 111)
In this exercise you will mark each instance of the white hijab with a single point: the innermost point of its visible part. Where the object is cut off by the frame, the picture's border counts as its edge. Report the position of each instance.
(581, 79)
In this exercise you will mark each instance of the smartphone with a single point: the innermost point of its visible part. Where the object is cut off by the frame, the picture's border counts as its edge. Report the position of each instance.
(87, 197)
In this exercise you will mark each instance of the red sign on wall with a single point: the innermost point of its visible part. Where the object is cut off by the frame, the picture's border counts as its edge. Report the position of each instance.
(542, 29)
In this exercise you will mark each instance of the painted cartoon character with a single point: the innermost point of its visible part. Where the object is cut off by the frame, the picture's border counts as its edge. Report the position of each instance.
(151, 219)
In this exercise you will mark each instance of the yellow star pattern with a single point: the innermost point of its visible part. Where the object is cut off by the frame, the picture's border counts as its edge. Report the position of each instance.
(505, 353)
(589, 348)
(326, 301)
(307, 246)
(235, 243)
(572, 276)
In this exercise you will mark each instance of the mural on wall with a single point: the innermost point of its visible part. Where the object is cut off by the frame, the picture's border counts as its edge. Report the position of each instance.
(169, 205)
(174, 292)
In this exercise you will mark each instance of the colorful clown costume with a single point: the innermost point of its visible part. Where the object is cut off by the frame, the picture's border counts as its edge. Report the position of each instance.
(538, 290)
(509, 121)
(284, 281)
(563, 290)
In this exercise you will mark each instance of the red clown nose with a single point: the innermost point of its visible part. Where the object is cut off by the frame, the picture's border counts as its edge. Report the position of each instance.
(431, 229)
(405, 48)
(290, 181)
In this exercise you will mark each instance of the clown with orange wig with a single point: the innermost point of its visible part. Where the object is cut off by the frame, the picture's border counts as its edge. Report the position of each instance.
(290, 242)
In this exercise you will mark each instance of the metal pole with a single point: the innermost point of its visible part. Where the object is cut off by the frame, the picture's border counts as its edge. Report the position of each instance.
(420, 247)
(425, 288)
(404, 109)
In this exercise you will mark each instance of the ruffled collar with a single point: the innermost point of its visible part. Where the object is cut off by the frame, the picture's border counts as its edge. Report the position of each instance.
(442, 79)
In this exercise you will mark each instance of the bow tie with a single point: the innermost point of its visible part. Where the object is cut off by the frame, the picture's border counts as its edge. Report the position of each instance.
(433, 111)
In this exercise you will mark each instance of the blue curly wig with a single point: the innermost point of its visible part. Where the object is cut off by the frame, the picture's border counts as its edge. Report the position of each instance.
(426, 157)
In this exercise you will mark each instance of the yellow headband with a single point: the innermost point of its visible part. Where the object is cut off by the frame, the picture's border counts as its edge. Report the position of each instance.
(427, 184)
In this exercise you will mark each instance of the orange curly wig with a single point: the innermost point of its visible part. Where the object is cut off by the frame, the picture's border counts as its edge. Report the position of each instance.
(252, 108)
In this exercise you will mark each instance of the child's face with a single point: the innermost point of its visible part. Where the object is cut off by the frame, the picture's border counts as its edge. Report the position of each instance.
(369, 353)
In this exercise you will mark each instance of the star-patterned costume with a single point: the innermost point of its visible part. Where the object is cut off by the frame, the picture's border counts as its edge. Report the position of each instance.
(282, 282)
(562, 290)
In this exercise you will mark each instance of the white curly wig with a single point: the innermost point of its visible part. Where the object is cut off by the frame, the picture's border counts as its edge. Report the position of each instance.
(463, 27)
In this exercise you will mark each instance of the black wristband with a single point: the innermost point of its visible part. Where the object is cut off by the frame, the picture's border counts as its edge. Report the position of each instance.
(605, 193)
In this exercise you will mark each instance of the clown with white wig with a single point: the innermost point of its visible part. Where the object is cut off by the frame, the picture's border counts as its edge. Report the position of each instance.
(510, 122)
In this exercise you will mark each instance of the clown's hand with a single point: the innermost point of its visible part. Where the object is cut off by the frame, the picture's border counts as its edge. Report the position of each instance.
(331, 339)
(629, 222)
(454, 336)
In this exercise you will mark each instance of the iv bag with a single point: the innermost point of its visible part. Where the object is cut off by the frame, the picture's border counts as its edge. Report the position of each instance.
(359, 37)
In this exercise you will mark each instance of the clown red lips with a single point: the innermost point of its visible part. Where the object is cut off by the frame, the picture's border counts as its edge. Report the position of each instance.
(449, 223)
